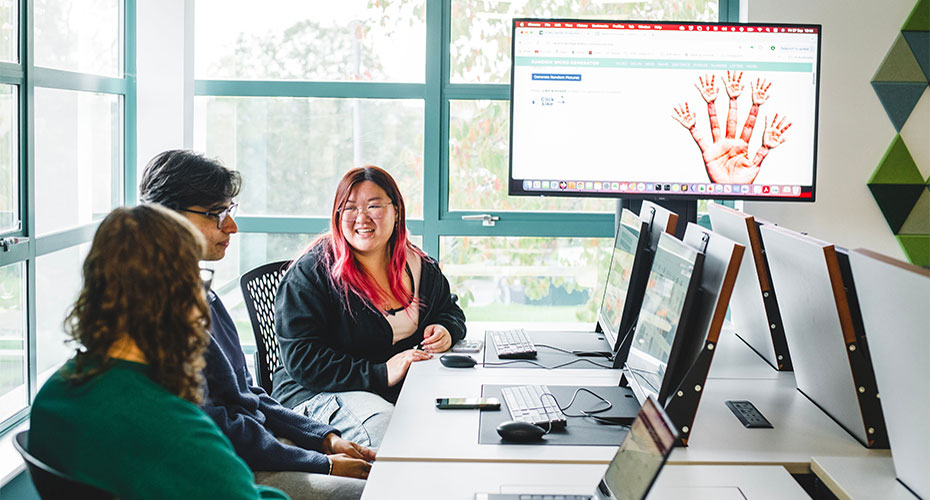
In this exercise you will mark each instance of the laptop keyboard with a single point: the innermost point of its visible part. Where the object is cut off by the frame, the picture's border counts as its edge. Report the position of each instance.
(526, 403)
(512, 344)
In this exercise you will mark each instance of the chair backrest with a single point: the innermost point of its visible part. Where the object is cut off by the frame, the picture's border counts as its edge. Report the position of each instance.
(52, 484)
(259, 287)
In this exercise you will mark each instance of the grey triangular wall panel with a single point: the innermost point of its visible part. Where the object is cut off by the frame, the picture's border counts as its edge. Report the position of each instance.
(919, 41)
(898, 99)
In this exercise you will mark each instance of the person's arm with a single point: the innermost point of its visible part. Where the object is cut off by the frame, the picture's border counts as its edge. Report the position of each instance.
(759, 95)
(708, 91)
(734, 88)
(257, 445)
(448, 313)
(305, 319)
(685, 117)
(771, 138)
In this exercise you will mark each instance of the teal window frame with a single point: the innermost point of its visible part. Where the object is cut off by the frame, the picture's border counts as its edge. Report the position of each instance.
(26, 76)
(436, 92)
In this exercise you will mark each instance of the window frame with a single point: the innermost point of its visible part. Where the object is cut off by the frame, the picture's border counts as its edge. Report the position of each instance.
(27, 76)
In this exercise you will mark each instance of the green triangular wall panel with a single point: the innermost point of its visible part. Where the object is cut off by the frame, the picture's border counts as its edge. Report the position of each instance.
(899, 65)
(916, 247)
(897, 166)
(898, 99)
(918, 222)
(919, 20)
(919, 42)
(896, 201)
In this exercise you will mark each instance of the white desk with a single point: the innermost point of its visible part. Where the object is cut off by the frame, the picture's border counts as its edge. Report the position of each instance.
(862, 478)
(800, 431)
(460, 481)
(420, 432)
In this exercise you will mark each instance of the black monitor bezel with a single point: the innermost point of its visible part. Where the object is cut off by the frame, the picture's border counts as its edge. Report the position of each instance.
(515, 187)
(614, 338)
(672, 370)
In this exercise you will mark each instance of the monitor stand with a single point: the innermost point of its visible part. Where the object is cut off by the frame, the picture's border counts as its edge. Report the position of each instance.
(686, 210)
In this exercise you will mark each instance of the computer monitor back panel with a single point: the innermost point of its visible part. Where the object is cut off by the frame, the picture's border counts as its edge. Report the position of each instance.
(747, 308)
(660, 220)
(624, 280)
(805, 273)
(718, 275)
(670, 295)
(893, 297)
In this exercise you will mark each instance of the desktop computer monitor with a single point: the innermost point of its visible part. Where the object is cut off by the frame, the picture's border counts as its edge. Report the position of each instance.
(626, 275)
(664, 110)
(671, 291)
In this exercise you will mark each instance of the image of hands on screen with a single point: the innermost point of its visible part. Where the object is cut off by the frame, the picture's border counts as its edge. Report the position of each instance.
(727, 158)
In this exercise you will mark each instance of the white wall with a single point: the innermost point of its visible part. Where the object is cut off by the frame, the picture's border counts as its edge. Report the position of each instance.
(165, 83)
(854, 130)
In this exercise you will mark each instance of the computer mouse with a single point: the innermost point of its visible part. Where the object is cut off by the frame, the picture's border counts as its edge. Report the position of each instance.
(457, 360)
(521, 432)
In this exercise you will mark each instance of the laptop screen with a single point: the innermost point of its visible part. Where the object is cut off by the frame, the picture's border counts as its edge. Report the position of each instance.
(641, 456)
(619, 274)
(667, 292)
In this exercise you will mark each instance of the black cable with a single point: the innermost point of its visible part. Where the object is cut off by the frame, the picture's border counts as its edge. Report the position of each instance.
(534, 362)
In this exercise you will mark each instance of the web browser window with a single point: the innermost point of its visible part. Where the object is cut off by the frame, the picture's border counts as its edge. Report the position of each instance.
(702, 110)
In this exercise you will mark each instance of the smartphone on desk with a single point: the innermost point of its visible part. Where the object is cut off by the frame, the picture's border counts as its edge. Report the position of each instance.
(468, 404)
(467, 346)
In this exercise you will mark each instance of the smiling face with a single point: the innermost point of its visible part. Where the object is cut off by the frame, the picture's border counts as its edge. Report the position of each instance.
(366, 235)
(217, 237)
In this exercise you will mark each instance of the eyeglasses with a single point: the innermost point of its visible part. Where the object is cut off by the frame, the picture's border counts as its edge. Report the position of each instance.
(206, 276)
(221, 216)
(375, 212)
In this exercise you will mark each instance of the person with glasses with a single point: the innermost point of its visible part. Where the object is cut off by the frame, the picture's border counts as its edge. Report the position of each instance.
(306, 458)
(122, 415)
(357, 308)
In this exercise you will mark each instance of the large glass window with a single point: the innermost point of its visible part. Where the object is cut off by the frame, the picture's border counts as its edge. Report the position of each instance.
(9, 32)
(79, 35)
(526, 279)
(9, 158)
(78, 157)
(300, 40)
(480, 38)
(293, 151)
(12, 339)
(58, 282)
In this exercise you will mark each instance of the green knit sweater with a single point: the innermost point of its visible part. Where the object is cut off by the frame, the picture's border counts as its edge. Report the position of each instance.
(126, 434)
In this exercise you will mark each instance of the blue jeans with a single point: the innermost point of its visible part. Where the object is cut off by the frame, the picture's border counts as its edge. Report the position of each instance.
(361, 416)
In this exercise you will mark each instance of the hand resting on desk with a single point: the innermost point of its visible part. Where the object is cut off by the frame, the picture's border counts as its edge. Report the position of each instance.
(399, 363)
(349, 459)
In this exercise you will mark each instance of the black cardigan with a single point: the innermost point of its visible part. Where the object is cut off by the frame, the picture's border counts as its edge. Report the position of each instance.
(326, 349)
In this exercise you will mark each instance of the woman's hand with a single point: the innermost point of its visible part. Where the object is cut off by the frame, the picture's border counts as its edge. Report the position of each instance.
(333, 444)
(346, 466)
(399, 363)
(436, 339)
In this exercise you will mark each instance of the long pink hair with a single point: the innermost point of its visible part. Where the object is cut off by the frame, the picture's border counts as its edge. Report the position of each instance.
(346, 275)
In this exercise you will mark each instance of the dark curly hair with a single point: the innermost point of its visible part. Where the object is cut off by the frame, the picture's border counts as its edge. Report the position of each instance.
(142, 280)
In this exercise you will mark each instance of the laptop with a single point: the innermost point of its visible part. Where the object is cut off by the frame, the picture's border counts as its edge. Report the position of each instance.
(633, 470)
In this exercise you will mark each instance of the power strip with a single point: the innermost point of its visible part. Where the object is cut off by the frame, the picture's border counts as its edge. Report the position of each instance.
(747, 413)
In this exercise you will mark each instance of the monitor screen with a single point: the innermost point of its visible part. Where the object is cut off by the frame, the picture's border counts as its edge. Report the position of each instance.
(641, 455)
(627, 246)
(670, 288)
(639, 109)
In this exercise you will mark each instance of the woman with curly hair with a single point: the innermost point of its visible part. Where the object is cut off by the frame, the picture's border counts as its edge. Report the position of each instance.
(122, 414)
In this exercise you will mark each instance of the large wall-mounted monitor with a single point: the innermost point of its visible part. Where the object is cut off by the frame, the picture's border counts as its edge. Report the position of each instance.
(660, 110)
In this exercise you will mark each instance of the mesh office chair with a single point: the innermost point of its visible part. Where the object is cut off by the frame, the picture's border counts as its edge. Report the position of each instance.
(259, 287)
(52, 484)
